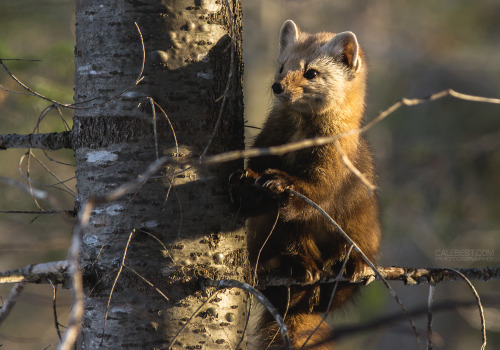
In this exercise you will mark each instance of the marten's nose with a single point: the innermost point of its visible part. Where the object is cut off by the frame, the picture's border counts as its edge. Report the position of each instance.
(277, 88)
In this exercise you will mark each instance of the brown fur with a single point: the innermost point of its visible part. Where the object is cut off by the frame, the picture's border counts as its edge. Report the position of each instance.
(300, 242)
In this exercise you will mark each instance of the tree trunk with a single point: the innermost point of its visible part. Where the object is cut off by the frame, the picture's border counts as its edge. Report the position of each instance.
(188, 60)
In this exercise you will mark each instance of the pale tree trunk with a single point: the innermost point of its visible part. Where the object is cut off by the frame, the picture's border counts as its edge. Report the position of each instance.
(188, 59)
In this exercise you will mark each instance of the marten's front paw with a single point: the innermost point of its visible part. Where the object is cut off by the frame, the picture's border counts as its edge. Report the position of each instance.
(239, 181)
(304, 270)
(275, 181)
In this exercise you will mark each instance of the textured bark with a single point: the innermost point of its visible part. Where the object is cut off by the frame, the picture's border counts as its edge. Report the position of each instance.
(187, 65)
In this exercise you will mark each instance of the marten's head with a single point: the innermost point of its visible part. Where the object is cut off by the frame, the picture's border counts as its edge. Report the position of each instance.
(319, 72)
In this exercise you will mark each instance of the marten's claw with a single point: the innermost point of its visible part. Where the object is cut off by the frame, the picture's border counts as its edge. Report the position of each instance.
(242, 177)
(274, 181)
(311, 276)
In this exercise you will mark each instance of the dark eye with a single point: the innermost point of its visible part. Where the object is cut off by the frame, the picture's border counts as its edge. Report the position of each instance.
(311, 74)
(281, 69)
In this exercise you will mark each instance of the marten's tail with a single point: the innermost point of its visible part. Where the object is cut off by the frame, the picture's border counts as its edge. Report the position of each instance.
(266, 335)
(303, 326)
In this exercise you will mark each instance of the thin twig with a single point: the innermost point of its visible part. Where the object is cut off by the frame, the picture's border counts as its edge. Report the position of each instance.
(54, 308)
(37, 212)
(42, 116)
(430, 301)
(265, 302)
(40, 194)
(262, 247)
(344, 331)
(66, 127)
(347, 162)
(171, 128)
(30, 184)
(253, 127)
(228, 83)
(147, 282)
(190, 318)
(288, 295)
(155, 133)
(139, 78)
(255, 278)
(21, 59)
(115, 281)
(78, 104)
(176, 157)
(479, 305)
(62, 182)
(31, 91)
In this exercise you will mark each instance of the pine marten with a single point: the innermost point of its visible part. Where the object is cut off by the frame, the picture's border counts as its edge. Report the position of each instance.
(319, 90)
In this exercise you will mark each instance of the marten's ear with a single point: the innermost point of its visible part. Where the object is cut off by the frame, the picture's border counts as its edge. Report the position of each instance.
(289, 34)
(344, 47)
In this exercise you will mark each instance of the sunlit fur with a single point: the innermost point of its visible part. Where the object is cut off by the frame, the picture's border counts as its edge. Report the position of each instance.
(288, 236)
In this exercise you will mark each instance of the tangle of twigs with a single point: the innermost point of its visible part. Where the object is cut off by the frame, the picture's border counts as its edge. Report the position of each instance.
(64, 140)
(363, 256)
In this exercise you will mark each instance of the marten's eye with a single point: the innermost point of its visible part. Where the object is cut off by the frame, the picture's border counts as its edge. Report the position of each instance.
(311, 74)
(281, 69)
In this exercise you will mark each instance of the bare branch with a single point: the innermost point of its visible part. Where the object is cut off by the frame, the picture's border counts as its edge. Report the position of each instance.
(38, 212)
(332, 296)
(407, 275)
(319, 141)
(51, 141)
(11, 300)
(56, 271)
(76, 314)
(412, 275)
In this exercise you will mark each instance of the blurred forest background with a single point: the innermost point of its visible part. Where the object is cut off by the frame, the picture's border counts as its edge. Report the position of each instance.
(438, 163)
